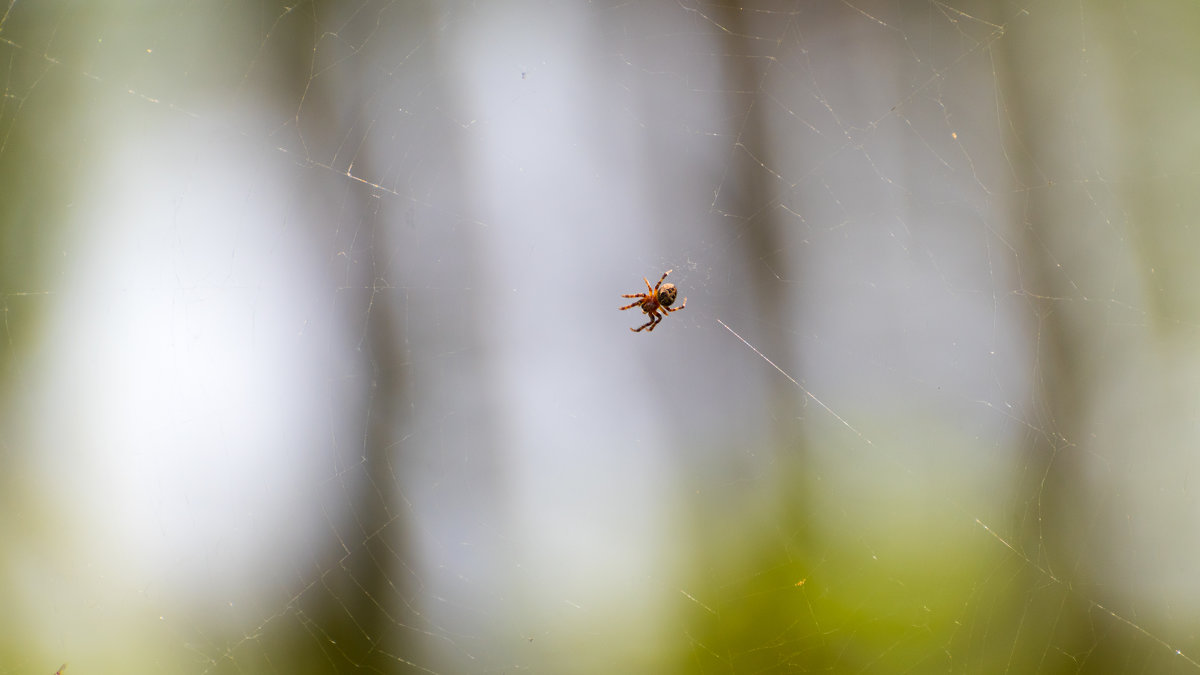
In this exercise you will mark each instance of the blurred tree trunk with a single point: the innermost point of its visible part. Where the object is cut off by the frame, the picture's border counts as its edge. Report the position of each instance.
(407, 254)
(748, 199)
(352, 606)
(1042, 85)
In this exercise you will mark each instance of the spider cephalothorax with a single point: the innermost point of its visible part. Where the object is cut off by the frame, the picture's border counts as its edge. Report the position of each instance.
(655, 300)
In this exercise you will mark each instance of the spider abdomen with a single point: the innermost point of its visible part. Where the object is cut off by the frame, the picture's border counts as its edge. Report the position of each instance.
(666, 295)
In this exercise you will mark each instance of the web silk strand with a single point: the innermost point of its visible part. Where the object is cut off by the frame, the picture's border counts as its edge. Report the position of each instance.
(798, 385)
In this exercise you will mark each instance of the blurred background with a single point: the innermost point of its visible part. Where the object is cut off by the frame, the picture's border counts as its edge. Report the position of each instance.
(310, 357)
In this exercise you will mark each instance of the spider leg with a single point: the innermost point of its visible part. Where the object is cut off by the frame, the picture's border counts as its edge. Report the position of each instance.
(654, 319)
(634, 304)
(664, 315)
(654, 291)
(676, 309)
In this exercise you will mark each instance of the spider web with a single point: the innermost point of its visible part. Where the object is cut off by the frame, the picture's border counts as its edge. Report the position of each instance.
(312, 363)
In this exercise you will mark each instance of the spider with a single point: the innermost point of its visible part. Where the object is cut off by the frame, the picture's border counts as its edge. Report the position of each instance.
(655, 300)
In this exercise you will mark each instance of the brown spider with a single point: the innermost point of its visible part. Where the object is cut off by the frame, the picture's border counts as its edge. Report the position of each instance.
(655, 300)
